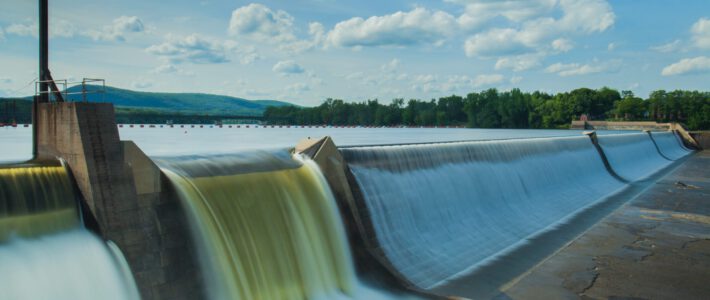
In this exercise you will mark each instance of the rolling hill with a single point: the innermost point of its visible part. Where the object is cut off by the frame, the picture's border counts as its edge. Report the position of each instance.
(182, 103)
(185, 103)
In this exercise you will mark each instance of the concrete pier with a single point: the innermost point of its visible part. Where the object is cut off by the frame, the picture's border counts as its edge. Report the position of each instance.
(655, 247)
(125, 197)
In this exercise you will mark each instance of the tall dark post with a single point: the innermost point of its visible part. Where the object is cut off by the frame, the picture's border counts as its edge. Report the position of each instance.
(43, 96)
(43, 50)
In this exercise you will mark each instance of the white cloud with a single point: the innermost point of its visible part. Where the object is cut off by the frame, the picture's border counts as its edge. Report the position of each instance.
(487, 80)
(317, 31)
(391, 66)
(700, 64)
(171, 69)
(62, 28)
(165, 69)
(701, 33)
(611, 46)
(2, 34)
(247, 53)
(574, 69)
(192, 49)
(260, 22)
(298, 88)
(143, 84)
(516, 79)
(562, 45)
(543, 33)
(478, 13)
(23, 29)
(59, 28)
(495, 42)
(118, 30)
(667, 48)
(287, 67)
(418, 26)
(520, 62)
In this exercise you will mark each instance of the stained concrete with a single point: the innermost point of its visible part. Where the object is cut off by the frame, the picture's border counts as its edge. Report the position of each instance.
(125, 198)
(370, 264)
(655, 247)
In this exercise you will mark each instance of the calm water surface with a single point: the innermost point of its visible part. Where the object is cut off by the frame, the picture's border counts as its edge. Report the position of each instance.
(16, 143)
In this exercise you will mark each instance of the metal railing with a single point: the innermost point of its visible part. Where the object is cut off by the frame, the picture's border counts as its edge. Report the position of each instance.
(69, 95)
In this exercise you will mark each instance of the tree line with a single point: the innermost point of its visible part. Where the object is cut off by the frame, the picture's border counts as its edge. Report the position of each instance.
(506, 109)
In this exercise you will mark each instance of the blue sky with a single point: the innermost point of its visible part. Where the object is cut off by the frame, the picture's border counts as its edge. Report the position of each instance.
(306, 51)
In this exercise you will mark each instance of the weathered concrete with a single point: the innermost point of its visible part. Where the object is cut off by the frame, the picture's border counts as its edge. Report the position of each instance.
(169, 249)
(655, 247)
(702, 138)
(611, 125)
(687, 138)
(371, 267)
(123, 193)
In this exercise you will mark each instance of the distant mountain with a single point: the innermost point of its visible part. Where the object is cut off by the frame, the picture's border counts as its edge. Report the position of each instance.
(185, 103)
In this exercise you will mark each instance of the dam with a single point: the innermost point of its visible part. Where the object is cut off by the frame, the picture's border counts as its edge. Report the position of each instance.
(104, 211)
(466, 219)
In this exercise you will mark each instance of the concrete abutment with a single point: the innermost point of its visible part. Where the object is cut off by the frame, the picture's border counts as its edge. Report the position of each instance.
(125, 193)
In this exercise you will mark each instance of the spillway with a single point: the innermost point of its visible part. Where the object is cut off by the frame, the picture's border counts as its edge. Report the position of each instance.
(45, 253)
(633, 156)
(670, 145)
(36, 200)
(441, 211)
(267, 227)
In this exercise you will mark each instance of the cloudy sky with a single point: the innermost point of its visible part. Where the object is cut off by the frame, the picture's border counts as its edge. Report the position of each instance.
(308, 50)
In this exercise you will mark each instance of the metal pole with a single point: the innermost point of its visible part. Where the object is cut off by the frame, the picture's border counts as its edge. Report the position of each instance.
(43, 50)
(43, 95)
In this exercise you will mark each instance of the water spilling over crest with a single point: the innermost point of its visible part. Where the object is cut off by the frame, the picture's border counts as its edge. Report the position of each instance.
(267, 227)
(44, 251)
(633, 156)
(36, 200)
(441, 211)
(670, 145)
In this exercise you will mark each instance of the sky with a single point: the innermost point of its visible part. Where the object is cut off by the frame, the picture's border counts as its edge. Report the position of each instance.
(305, 51)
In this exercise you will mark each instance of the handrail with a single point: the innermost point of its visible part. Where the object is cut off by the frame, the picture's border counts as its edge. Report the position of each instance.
(65, 91)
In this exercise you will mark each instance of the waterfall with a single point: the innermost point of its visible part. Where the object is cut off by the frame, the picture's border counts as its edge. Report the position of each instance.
(36, 200)
(441, 211)
(669, 144)
(44, 251)
(69, 265)
(633, 156)
(266, 225)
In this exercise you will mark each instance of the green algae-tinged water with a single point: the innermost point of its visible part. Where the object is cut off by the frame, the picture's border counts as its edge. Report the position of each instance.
(36, 200)
(267, 234)
(45, 253)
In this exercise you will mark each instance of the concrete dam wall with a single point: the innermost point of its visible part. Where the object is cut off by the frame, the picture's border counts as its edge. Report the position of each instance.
(440, 211)
(315, 222)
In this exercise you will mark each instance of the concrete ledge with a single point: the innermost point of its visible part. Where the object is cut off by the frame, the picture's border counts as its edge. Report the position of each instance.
(655, 247)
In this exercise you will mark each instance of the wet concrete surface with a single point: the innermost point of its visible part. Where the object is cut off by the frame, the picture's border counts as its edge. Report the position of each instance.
(657, 246)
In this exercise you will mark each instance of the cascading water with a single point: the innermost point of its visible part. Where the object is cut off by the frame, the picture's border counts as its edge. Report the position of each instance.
(632, 156)
(441, 211)
(267, 227)
(44, 252)
(669, 144)
(35, 200)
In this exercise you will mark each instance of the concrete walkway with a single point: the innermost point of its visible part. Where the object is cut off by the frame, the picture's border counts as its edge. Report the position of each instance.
(655, 247)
